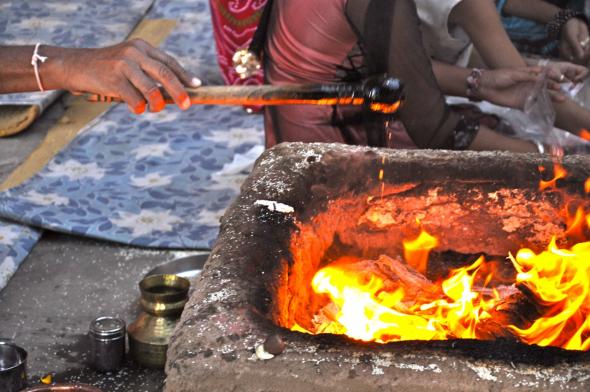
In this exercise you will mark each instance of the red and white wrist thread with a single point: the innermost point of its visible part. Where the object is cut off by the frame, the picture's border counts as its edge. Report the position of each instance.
(35, 63)
(473, 83)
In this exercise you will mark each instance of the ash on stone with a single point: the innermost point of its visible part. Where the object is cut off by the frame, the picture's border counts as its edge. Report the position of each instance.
(275, 206)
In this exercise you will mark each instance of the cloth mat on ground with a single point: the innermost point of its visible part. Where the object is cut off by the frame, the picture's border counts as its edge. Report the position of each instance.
(16, 241)
(159, 180)
(80, 23)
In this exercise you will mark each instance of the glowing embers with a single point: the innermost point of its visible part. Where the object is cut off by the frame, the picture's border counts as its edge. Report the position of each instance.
(385, 107)
(540, 297)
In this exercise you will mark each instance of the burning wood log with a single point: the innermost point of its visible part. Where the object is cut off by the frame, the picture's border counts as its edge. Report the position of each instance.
(395, 275)
(517, 310)
(419, 297)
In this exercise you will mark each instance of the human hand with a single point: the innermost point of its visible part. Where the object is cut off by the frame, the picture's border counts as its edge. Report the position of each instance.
(564, 71)
(511, 86)
(130, 71)
(574, 44)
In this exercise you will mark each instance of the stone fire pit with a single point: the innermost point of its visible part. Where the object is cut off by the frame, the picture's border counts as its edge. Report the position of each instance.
(476, 202)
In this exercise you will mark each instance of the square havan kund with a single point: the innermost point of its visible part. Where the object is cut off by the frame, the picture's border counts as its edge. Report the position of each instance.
(439, 247)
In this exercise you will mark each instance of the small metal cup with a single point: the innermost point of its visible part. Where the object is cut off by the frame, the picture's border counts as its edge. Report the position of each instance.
(107, 343)
(13, 367)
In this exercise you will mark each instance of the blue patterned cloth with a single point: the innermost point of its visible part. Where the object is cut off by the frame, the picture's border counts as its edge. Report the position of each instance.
(16, 241)
(159, 180)
(162, 180)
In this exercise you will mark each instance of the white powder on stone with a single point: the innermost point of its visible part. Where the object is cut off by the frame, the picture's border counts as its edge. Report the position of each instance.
(483, 372)
(382, 362)
(219, 296)
(262, 354)
(419, 368)
(275, 206)
(377, 371)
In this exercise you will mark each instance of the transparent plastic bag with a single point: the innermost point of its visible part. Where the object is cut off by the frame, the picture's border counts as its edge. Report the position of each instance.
(538, 110)
(540, 119)
(580, 93)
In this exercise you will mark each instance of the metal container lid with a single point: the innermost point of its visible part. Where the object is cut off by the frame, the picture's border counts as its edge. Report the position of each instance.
(108, 327)
(11, 356)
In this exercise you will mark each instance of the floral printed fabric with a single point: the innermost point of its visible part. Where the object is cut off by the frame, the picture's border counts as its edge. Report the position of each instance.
(16, 241)
(160, 180)
(79, 23)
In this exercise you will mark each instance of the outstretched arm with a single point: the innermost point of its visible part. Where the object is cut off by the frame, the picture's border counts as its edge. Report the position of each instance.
(130, 70)
(504, 87)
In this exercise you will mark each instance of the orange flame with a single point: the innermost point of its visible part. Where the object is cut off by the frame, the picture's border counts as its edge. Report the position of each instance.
(559, 279)
(387, 300)
(416, 252)
(368, 312)
(559, 173)
(584, 134)
(387, 108)
(587, 186)
(365, 309)
(575, 224)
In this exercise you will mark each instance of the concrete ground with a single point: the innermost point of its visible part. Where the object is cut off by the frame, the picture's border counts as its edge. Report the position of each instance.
(64, 284)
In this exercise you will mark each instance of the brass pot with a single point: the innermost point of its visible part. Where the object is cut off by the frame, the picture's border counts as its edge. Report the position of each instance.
(162, 300)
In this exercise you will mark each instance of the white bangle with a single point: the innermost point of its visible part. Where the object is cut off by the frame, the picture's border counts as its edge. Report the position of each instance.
(34, 62)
